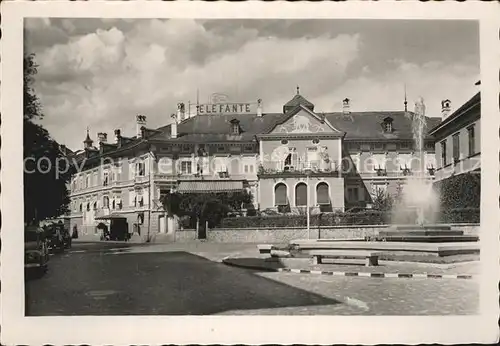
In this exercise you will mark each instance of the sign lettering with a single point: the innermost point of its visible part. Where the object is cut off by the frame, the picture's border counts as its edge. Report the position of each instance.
(221, 108)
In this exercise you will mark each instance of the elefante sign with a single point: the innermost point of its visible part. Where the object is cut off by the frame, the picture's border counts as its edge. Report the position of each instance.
(220, 108)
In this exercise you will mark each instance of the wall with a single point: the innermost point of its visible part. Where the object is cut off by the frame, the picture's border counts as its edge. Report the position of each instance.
(281, 235)
(466, 163)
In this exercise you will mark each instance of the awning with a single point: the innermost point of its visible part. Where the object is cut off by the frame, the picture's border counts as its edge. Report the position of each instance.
(110, 217)
(209, 186)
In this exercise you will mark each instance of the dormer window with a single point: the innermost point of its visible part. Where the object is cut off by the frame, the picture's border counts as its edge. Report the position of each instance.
(235, 127)
(387, 125)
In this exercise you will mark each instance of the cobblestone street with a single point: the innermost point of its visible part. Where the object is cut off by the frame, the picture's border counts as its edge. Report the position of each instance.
(178, 279)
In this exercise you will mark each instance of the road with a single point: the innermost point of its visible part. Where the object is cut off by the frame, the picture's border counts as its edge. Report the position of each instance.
(94, 279)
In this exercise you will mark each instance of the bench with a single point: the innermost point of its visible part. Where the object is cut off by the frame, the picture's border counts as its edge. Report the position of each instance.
(371, 257)
(265, 248)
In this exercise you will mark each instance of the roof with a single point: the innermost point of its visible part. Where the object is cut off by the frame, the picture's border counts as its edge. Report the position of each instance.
(475, 101)
(297, 100)
(356, 125)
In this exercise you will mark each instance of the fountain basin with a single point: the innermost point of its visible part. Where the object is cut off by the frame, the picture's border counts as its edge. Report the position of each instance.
(425, 234)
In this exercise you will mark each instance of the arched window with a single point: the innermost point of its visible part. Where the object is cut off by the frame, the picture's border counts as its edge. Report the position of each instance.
(113, 205)
(95, 205)
(301, 195)
(280, 194)
(88, 206)
(322, 193)
(81, 207)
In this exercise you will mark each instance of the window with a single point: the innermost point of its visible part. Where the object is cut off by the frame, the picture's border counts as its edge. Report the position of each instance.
(248, 148)
(312, 157)
(472, 140)
(186, 167)
(322, 193)
(443, 154)
(378, 146)
(456, 147)
(246, 169)
(95, 205)
(301, 195)
(404, 161)
(88, 206)
(352, 194)
(81, 207)
(251, 168)
(113, 204)
(284, 142)
(235, 128)
(404, 145)
(379, 161)
(140, 168)
(315, 141)
(387, 126)
(105, 202)
(220, 148)
(186, 148)
(105, 179)
(280, 195)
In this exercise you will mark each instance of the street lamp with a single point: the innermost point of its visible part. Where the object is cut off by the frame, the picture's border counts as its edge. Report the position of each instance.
(307, 171)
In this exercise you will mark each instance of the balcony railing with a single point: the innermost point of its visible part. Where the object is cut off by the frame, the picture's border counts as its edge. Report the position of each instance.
(312, 168)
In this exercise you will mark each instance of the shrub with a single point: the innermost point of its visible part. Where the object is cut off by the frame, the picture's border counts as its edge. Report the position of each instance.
(462, 215)
(330, 219)
(462, 191)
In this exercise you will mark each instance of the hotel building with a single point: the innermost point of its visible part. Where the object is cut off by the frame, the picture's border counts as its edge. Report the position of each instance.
(339, 160)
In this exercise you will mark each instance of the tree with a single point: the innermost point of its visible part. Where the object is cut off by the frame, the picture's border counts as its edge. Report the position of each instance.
(46, 170)
(201, 207)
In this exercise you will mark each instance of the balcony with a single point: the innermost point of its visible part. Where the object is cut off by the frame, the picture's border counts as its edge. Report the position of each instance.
(270, 169)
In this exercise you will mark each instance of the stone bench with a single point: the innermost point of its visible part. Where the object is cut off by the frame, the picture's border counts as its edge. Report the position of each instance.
(371, 257)
(265, 248)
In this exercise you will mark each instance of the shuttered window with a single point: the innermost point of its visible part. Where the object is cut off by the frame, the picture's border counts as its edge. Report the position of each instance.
(280, 194)
(301, 195)
(322, 193)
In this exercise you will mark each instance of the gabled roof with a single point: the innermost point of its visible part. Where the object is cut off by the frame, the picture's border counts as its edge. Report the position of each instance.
(474, 102)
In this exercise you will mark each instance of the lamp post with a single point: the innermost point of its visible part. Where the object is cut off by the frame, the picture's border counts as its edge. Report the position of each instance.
(308, 172)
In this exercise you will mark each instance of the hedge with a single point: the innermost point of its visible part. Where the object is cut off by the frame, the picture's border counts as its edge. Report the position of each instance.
(363, 218)
(464, 215)
(462, 191)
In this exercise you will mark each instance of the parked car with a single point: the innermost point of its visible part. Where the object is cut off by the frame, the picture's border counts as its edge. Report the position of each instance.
(36, 254)
(58, 236)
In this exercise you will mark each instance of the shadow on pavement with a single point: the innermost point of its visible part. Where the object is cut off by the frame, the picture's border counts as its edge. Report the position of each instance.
(168, 283)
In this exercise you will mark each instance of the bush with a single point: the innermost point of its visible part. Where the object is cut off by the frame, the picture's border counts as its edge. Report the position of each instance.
(462, 191)
(463, 215)
(330, 219)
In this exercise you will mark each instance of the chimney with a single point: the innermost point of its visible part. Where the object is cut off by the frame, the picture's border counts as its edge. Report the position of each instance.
(103, 137)
(141, 122)
(181, 112)
(173, 127)
(259, 107)
(118, 136)
(346, 107)
(445, 108)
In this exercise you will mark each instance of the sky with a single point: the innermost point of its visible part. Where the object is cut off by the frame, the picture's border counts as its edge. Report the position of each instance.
(101, 73)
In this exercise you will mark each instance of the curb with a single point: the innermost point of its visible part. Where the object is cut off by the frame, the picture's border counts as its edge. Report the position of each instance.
(351, 274)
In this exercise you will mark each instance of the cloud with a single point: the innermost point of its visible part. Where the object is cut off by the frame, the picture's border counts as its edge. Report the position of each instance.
(105, 72)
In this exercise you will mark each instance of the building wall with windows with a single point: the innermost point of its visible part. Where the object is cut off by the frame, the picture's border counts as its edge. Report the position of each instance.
(458, 140)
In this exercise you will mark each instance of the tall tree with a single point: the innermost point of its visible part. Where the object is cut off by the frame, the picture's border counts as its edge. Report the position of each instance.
(46, 170)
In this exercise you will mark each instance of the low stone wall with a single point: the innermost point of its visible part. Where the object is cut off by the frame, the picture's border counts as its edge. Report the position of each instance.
(284, 235)
(185, 235)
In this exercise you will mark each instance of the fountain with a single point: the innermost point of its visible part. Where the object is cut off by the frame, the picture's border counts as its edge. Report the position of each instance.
(418, 196)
